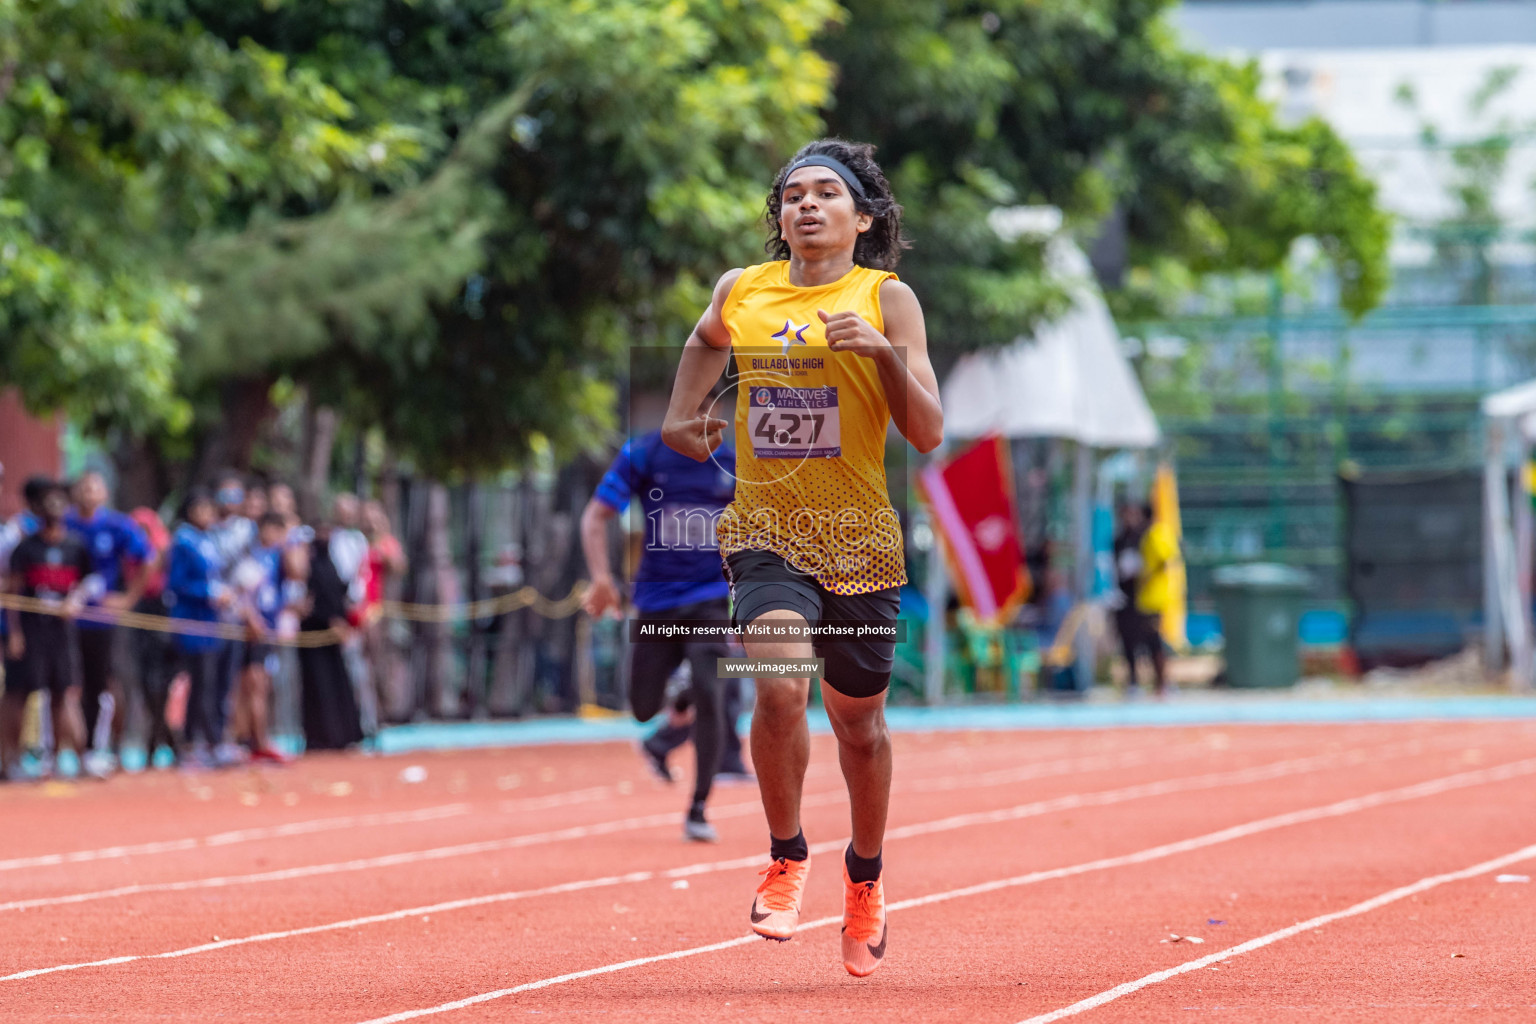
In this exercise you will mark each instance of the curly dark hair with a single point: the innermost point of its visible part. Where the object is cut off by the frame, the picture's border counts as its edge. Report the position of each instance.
(880, 247)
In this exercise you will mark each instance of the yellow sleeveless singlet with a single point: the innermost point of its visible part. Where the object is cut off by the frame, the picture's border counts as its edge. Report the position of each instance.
(810, 433)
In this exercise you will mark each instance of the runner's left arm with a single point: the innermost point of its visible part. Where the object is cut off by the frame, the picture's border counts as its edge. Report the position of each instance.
(901, 356)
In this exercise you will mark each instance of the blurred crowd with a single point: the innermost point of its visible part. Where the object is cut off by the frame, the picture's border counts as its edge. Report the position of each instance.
(237, 555)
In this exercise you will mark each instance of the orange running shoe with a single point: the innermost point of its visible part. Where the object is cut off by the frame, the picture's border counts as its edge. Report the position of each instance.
(776, 907)
(863, 925)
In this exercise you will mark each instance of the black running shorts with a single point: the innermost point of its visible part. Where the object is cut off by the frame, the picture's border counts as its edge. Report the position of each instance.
(652, 662)
(762, 581)
(51, 663)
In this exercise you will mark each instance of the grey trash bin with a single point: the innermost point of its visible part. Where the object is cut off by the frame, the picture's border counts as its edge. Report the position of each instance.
(1260, 609)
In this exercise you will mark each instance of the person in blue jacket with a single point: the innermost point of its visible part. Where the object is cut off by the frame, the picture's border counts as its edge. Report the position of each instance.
(195, 591)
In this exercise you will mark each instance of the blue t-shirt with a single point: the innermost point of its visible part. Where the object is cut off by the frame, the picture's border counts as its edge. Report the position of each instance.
(682, 501)
(111, 538)
(267, 594)
(192, 584)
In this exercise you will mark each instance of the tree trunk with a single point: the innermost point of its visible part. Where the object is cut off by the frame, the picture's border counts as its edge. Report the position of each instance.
(143, 476)
(315, 471)
(245, 406)
(444, 587)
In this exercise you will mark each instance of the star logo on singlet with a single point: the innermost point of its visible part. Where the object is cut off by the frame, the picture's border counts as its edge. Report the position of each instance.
(790, 334)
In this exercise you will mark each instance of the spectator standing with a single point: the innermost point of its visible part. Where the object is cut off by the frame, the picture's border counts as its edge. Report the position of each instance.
(296, 541)
(118, 550)
(152, 649)
(386, 560)
(330, 714)
(1129, 623)
(233, 536)
(280, 500)
(349, 554)
(262, 596)
(195, 592)
(10, 536)
(12, 532)
(1154, 590)
(349, 547)
(51, 566)
(257, 504)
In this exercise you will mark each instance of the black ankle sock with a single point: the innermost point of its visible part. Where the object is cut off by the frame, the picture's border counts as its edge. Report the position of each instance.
(696, 811)
(861, 869)
(789, 849)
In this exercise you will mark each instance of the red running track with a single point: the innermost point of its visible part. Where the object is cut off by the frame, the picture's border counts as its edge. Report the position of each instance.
(1033, 876)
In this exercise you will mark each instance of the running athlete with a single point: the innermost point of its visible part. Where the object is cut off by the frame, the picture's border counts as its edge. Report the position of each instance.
(678, 580)
(829, 347)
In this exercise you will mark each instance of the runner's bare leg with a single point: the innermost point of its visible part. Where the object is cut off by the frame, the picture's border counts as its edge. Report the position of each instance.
(781, 739)
(864, 751)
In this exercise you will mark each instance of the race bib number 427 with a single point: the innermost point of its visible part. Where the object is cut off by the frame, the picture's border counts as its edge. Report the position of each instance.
(794, 423)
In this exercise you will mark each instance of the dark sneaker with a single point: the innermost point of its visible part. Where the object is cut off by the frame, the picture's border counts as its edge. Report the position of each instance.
(657, 763)
(699, 831)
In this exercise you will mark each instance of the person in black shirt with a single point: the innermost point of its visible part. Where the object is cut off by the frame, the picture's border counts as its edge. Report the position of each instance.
(1138, 631)
(331, 720)
(51, 566)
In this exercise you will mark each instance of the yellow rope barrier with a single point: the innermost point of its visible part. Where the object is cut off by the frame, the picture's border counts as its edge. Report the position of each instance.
(527, 597)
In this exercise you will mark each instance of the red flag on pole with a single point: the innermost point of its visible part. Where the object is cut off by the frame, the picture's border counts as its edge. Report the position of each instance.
(971, 502)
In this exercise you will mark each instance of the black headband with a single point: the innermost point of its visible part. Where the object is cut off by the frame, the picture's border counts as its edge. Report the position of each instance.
(831, 163)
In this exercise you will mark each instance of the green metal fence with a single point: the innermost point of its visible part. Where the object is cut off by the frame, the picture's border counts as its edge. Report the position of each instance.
(1262, 413)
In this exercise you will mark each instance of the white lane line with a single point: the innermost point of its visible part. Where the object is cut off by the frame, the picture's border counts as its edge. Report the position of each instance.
(1041, 807)
(245, 835)
(1032, 770)
(304, 828)
(1364, 907)
(1160, 755)
(592, 794)
(1019, 773)
(386, 860)
(1238, 777)
(1259, 773)
(1340, 808)
(578, 796)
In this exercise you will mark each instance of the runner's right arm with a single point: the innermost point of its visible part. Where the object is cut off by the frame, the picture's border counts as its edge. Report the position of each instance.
(705, 357)
(608, 502)
(603, 594)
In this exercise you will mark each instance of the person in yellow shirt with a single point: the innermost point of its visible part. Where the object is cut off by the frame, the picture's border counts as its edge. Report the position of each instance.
(827, 348)
(1159, 551)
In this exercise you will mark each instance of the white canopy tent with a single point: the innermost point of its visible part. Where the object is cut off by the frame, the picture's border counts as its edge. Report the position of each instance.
(1508, 533)
(1069, 379)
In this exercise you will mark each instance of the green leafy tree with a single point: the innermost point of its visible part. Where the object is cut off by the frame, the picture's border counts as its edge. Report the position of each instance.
(1092, 106)
(606, 158)
(121, 138)
(449, 218)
